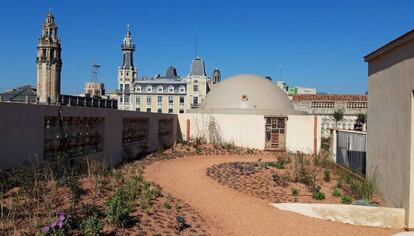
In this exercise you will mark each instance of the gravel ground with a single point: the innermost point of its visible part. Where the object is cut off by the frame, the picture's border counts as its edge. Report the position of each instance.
(229, 212)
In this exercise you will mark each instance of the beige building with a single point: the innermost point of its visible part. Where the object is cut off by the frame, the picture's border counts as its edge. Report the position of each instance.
(49, 63)
(162, 94)
(390, 148)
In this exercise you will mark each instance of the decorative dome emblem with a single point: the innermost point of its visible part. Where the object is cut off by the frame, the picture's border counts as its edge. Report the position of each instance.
(244, 98)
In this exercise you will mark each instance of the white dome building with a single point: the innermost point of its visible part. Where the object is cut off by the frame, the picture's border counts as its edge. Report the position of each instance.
(247, 94)
(250, 111)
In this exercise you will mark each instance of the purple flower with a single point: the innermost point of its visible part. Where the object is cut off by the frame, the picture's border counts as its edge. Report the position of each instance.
(45, 229)
(60, 224)
(61, 217)
(53, 225)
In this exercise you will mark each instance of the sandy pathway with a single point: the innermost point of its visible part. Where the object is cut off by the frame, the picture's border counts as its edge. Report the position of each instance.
(229, 212)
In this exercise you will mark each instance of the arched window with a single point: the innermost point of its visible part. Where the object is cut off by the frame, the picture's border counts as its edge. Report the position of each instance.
(149, 88)
(171, 89)
(182, 89)
(160, 89)
(138, 88)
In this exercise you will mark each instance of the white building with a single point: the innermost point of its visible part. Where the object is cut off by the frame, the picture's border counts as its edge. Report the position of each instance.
(251, 111)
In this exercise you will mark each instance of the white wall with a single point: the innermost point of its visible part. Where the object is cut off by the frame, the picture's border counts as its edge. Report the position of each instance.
(243, 130)
(300, 133)
(249, 130)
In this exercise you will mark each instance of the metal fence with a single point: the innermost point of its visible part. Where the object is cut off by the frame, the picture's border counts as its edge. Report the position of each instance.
(351, 150)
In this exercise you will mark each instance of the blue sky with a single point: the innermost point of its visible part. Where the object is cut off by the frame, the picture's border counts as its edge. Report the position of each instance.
(318, 43)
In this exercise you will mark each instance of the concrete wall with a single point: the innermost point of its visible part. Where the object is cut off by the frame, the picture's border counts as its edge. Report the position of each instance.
(303, 133)
(249, 130)
(390, 126)
(22, 131)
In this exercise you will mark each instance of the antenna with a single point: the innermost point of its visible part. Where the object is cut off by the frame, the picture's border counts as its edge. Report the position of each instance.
(94, 71)
(280, 73)
(196, 43)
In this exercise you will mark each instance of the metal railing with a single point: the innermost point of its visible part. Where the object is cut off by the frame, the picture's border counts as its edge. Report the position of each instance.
(351, 150)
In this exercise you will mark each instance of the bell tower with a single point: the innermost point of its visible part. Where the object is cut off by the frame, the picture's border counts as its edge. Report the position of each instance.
(49, 63)
(127, 72)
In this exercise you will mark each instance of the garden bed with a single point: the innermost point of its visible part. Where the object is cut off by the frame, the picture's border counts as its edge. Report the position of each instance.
(296, 178)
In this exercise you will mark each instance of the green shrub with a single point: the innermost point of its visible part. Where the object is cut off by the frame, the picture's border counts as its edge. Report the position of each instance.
(117, 212)
(91, 210)
(336, 193)
(326, 175)
(346, 199)
(295, 191)
(318, 195)
(133, 187)
(91, 226)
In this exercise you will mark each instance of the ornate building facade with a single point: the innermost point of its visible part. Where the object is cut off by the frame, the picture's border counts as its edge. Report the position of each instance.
(163, 94)
(49, 63)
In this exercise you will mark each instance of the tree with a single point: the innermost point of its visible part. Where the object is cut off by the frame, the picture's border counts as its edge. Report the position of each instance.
(338, 115)
(361, 118)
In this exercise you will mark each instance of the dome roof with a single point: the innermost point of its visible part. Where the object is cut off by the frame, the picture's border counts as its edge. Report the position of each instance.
(247, 94)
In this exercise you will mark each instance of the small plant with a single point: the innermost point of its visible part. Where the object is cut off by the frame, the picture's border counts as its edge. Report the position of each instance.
(295, 191)
(91, 210)
(336, 193)
(167, 205)
(198, 151)
(318, 195)
(117, 212)
(359, 188)
(281, 180)
(346, 199)
(326, 175)
(91, 226)
(56, 228)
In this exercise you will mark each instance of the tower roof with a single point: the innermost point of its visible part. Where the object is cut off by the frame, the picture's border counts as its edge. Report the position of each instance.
(198, 67)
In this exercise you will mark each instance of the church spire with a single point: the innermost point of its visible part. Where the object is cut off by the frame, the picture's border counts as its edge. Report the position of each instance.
(128, 48)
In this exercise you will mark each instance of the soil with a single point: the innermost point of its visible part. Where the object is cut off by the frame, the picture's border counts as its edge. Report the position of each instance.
(259, 183)
(227, 211)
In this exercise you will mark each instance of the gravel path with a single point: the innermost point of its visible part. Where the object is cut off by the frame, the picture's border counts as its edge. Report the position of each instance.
(228, 212)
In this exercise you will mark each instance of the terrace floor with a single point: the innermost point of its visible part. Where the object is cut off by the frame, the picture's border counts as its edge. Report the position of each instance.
(230, 212)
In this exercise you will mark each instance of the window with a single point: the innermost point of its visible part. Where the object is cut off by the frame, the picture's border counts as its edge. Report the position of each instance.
(127, 74)
(182, 89)
(195, 101)
(149, 100)
(170, 89)
(170, 110)
(181, 110)
(159, 110)
(138, 100)
(160, 89)
(127, 88)
(148, 109)
(149, 89)
(120, 99)
(170, 100)
(126, 99)
(138, 109)
(121, 87)
(181, 100)
(138, 88)
(195, 87)
(159, 100)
